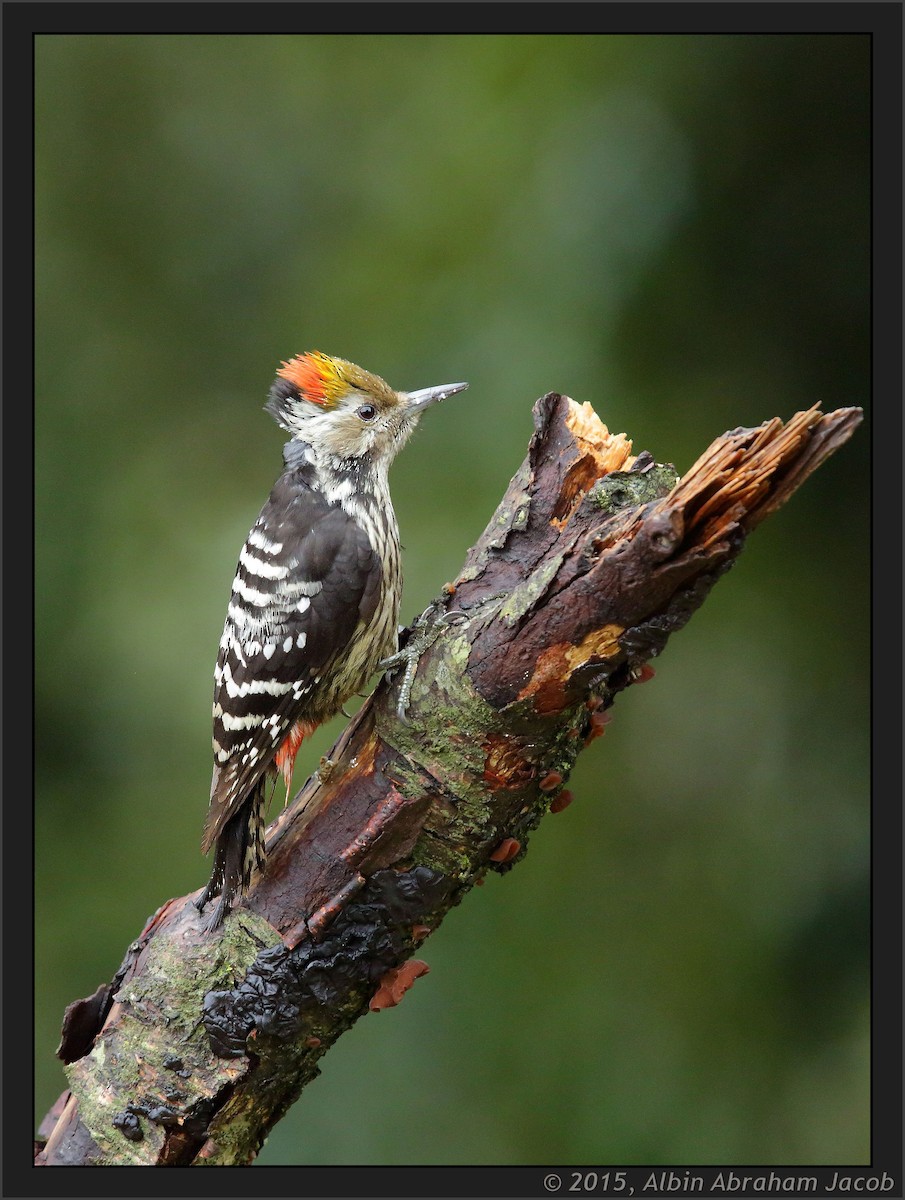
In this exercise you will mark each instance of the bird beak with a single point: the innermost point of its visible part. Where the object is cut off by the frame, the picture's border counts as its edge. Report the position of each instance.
(418, 401)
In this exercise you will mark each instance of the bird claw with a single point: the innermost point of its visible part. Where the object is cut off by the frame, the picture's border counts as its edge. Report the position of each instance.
(424, 631)
(325, 769)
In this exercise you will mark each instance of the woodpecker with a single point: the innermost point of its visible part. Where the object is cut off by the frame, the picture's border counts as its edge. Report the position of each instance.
(315, 600)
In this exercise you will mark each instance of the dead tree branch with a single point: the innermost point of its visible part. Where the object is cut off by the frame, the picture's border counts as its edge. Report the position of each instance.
(592, 559)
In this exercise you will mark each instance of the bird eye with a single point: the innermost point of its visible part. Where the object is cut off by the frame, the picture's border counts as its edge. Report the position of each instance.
(367, 412)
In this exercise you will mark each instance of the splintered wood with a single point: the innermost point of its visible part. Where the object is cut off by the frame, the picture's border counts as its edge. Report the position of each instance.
(611, 451)
(747, 474)
(599, 453)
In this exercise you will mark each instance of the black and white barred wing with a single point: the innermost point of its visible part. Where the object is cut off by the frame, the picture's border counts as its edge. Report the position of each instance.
(306, 579)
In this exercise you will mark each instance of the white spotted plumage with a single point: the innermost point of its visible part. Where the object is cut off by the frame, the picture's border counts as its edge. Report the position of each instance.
(314, 602)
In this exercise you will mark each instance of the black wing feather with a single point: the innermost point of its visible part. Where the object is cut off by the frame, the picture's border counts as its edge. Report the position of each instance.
(321, 550)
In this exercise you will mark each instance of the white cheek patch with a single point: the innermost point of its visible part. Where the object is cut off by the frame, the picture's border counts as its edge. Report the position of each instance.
(342, 434)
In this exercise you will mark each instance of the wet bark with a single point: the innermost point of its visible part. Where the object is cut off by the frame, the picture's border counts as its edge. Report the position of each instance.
(593, 558)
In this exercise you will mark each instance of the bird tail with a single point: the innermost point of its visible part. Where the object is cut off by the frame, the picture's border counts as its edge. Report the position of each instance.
(239, 849)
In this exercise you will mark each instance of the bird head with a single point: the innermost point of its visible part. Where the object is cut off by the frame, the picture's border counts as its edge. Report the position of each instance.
(345, 412)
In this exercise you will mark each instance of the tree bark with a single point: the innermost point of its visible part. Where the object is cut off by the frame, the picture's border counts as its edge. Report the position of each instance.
(593, 558)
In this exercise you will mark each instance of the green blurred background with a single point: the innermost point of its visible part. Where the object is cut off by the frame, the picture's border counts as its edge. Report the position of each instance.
(674, 228)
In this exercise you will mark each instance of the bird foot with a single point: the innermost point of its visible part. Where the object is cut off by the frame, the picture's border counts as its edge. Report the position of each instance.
(325, 769)
(421, 636)
(215, 920)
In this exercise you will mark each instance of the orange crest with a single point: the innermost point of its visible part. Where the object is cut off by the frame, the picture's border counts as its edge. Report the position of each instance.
(316, 376)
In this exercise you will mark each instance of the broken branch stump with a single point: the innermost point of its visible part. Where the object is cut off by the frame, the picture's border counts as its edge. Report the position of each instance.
(593, 558)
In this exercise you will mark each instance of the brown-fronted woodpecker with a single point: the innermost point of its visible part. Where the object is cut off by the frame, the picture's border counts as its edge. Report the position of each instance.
(315, 600)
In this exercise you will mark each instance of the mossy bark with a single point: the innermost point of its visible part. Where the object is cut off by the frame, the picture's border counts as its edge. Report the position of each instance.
(594, 556)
